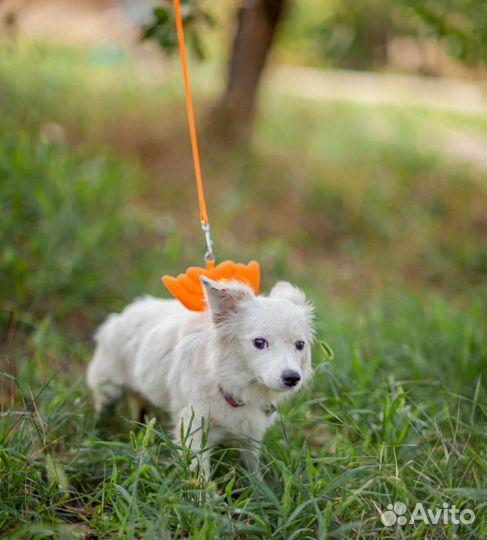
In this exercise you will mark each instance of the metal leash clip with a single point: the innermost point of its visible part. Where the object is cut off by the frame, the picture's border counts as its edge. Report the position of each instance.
(209, 255)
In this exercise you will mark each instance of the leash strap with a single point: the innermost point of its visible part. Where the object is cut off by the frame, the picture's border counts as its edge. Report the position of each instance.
(205, 225)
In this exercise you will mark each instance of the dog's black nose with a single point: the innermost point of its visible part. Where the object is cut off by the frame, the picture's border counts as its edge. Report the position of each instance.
(290, 377)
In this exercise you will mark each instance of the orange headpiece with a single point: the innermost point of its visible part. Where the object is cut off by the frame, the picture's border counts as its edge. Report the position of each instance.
(188, 289)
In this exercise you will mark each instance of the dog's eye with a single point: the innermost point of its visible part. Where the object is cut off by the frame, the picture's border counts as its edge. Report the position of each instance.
(299, 345)
(260, 343)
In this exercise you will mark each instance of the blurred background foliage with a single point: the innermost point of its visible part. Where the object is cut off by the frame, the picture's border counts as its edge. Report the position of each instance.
(360, 34)
(422, 37)
(351, 35)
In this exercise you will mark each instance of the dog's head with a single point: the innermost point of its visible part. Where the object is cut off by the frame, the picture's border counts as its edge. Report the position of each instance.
(267, 338)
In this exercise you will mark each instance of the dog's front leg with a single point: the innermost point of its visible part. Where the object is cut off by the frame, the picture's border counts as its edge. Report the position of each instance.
(250, 455)
(192, 432)
(201, 461)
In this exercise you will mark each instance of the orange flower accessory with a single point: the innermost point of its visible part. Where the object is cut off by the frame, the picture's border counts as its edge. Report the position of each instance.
(188, 289)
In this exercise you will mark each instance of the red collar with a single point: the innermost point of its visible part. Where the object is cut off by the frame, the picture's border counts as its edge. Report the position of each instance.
(235, 403)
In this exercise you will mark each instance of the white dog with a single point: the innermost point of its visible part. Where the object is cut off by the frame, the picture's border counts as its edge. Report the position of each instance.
(228, 365)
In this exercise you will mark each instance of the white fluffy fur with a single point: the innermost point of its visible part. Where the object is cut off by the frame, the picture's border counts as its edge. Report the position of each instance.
(178, 359)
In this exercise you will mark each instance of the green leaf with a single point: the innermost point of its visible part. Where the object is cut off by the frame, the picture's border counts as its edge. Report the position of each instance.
(327, 350)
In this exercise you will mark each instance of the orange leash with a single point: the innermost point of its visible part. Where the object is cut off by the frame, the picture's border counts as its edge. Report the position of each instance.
(205, 224)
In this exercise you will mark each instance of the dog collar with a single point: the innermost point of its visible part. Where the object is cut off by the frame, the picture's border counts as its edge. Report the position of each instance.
(236, 403)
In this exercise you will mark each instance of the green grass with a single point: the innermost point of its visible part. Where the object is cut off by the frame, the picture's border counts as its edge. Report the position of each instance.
(384, 233)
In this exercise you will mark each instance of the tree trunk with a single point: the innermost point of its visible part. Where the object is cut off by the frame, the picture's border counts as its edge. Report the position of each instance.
(257, 22)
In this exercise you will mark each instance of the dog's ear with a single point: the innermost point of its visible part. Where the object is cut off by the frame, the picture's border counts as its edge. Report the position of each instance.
(224, 297)
(286, 291)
